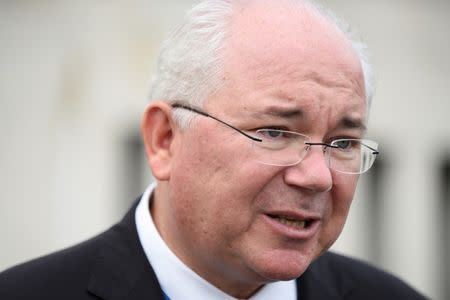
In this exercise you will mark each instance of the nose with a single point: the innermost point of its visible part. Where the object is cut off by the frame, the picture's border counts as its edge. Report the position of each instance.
(312, 173)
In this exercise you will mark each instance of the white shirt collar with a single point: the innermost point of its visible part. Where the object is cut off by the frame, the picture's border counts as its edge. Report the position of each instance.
(176, 279)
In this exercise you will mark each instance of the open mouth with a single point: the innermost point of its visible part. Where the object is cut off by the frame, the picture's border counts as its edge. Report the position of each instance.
(291, 222)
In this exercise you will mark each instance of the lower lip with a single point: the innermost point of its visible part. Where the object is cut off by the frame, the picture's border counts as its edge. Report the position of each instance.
(293, 232)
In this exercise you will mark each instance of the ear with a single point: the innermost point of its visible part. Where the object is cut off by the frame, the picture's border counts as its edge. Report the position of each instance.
(158, 132)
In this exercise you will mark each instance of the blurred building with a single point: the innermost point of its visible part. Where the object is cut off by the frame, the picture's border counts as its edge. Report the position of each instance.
(73, 86)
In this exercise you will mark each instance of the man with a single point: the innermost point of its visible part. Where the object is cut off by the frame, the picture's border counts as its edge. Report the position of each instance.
(255, 138)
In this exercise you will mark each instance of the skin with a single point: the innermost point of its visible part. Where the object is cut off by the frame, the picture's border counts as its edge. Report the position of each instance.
(213, 198)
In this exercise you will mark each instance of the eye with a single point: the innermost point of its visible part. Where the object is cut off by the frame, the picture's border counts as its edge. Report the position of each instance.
(343, 144)
(347, 144)
(271, 133)
(274, 133)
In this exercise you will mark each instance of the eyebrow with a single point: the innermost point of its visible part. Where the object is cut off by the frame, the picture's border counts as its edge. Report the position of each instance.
(352, 123)
(346, 122)
(285, 113)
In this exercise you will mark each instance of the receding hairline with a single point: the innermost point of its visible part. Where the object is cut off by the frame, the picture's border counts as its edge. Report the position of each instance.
(307, 15)
(200, 81)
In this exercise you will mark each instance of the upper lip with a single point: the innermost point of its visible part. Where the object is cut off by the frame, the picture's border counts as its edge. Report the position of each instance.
(295, 215)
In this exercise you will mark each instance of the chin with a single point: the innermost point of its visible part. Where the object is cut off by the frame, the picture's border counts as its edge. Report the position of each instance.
(283, 265)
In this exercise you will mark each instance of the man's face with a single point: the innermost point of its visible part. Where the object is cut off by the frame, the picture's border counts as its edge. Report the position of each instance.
(226, 208)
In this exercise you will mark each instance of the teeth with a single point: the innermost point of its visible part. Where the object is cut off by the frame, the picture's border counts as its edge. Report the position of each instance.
(290, 222)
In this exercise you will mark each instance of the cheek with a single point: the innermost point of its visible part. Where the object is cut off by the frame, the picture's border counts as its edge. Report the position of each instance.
(216, 161)
(341, 199)
(214, 182)
(344, 187)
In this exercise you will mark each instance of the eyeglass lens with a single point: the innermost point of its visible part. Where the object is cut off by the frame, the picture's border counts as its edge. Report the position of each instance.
(284, 148)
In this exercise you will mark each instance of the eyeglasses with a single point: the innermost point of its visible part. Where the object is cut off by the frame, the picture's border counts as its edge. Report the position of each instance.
(286, 148)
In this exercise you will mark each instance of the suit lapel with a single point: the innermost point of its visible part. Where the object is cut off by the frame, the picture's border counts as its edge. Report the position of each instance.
(121, 269)
(310, 287)
(322, 281)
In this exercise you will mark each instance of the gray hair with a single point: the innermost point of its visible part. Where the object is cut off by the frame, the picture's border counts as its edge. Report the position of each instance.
(191, 59)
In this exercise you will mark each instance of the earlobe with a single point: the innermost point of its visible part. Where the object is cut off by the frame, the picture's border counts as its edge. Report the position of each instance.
(158, 131)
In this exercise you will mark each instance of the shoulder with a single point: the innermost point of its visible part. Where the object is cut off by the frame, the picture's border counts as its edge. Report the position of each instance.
(110, 264)
(356, 279)
(64, 273)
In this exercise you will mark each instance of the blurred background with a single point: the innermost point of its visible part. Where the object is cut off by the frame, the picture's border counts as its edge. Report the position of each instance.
(73, 86)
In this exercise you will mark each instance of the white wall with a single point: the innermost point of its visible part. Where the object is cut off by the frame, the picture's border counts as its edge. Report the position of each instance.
(73, 80)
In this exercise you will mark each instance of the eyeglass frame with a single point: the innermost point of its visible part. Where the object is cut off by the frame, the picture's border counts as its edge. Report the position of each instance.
(325, 145)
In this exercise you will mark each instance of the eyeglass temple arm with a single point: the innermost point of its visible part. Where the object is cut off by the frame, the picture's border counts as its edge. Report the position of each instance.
(321, 144)
(212, 117)
(374, 151)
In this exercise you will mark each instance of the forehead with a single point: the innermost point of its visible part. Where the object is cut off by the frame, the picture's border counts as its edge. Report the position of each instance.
(285, 48)
(267, 30)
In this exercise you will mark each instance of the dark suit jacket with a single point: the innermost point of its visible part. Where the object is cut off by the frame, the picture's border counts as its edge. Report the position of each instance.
(113, 266)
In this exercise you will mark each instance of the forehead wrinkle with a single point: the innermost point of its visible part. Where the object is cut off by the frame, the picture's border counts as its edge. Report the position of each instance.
(265, 73)
(341, 80)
